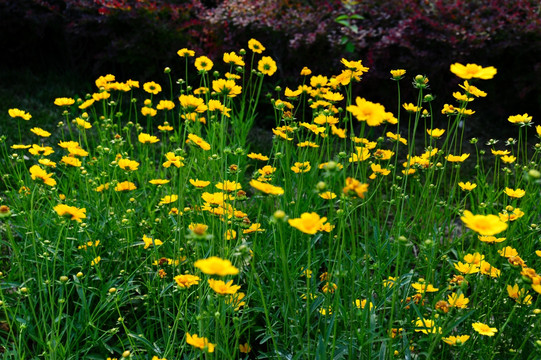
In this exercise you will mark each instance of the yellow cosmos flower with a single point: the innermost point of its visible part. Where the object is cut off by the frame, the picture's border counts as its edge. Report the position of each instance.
(484, 329)
(203, 64)
(15, 113)
(456, 340)
(190, 104)
(226, 88)
(127, 164)
(186, 280)
(435, 133)
(147, 138)
(457, 158)
(70, 211)
(216, 266)
(192, 138)
(37, 172)
(125, 186)
(255, 46)
(516, 193)
(148, 241)
(168, 199)
(458, 301)
(222, 288)
(200, 342)
(64, 101)
(40, 132)
(520, 119)
(467, 186)
(185, 52)
(470, 71)
(483, 224)
(373, 113)
(152, 88)
(308, 223)
(266, 188)
(267, 66)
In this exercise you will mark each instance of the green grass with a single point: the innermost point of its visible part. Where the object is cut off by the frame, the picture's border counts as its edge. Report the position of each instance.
(349, 260)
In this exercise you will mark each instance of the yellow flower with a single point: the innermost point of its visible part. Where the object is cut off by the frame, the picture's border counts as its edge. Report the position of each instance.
(47, 162)
(148, 111)
(203, 63)
(147, 138)
(508, 252)
(159, 181)
(165, 127)
(125, 186)
(467, 186)
(216, 266)
(233, 59)
(15, 113)
(258, 156)
(396, 137)
(173, 160)
(95, 261)
(467, 268)
(168, 199)
(185, 52)
(470, 71)
(456, 340)
(422, 288)
(127, 164)
(255, 46)
(519, 295)
(411, 108)
(398, 74)
(151, 242)
(426, 326)
(82, 123)
(373, 113)
(198, 141)
(484, 329)
(266, 188)
(490, 239)
(360, 304)
(517, 193)
(354, 186)
(37, 172)
(435, 133)
(40, 150)
(152, 88)
(457, 158)
(245, 348)
(267, 66)
(327, 195)
(226, 88)
(200, 343)
(308, 223)
(458, 301)
(520, 119)
(199, 183)
(101, 96)
(40, 132)
(70, 211)
(305, 71)
(222, 288)
(70, 160)
(191, 103)
(483, 224)
(299, 167)
(186, 280)
(508, 159)
(64, 101)
(229, 186)
(472, 90)
(165, 105)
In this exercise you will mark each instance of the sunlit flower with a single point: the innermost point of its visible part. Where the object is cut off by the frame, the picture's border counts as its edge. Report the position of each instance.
(148, 111)
(467, 268)
(125, 186)
(152, 88)
(47, 162)
(267, 66)
(233, 59)
(354, 186)
(457, 158)
(15, 113)
(520, 119)
(470, 71)
(519, 295)
(148, 241)
(64, 101)
(71, 212)
(186, 280)
(423, 288)
(426, 326)
(308, 223)
(147, 138)
(185, 52)
(514, 193)
(203, 63)
(373, 113)
(222, 288)
(168, 199)
(172, 159)
(82, 123)
(199, 183)
(483, 224)
(299, 167)
(191, 104)
(411, 108)
(456, 340)
(396, 137)
(327, 195)
(226, 88)
(435, 133)
(37, 172)
(490, 239)
(95, 261)
(258, 156)
(398, 74)
(127, 164)
(458, 301)
(165, 105)
(255, 46)
(192, 138)
(70, 160)
(245, 348)
(216, 266)
(484, 329)
(266, 188)
(508, 159)
(467, 186)
(508, 251)
(200, 342)
(40, 132)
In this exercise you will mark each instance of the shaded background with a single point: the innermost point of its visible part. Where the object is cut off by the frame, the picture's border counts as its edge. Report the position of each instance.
(53, 48)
